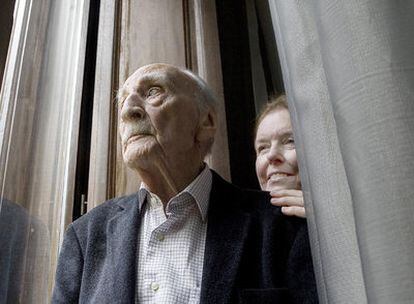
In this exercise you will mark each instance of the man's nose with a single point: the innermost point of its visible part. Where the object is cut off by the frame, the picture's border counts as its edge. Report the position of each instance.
(275, 154)
(133, 108)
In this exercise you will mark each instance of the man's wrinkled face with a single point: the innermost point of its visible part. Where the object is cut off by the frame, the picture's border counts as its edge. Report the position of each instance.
(276, 161)
(158, 115)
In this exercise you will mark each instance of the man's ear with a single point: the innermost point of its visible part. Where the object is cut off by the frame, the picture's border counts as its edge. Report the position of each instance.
(207, 127)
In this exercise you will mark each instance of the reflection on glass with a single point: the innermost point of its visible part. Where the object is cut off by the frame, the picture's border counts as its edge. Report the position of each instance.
(24, 254)
(39, 126)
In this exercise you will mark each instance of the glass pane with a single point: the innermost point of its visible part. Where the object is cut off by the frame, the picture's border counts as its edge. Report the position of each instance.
(39, 125)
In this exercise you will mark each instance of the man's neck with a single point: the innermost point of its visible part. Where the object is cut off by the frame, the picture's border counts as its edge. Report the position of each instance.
(167, 182)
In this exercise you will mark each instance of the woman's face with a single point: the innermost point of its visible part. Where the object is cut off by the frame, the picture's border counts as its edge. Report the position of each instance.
(276, 162)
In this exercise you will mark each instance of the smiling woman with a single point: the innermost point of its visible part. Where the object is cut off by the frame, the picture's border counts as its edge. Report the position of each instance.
(276, 162)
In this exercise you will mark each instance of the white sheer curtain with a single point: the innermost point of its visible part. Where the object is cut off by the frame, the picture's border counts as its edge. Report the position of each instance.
(349, 73)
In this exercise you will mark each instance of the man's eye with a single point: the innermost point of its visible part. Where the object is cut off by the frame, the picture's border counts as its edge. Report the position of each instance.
(153, 91)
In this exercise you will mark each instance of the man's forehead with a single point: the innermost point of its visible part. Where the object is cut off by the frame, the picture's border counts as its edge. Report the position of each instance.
(154, 72)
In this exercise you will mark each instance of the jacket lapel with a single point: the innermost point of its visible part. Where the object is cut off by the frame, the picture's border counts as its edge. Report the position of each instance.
(122, 240)
(227, 231)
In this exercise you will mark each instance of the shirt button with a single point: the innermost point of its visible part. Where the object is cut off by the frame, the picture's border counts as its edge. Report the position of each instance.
(160, 237)
(155, 286)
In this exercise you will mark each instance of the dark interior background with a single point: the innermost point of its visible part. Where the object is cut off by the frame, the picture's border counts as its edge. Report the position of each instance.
(6, 23)
(251, 73)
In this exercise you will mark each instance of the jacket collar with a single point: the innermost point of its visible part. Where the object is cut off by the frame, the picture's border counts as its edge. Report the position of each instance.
(199, 189)
(122, 246)
(227, 231)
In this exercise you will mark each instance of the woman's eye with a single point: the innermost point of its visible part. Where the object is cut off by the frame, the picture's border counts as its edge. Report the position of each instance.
(153, 91)
(290, 141)
(261, 148)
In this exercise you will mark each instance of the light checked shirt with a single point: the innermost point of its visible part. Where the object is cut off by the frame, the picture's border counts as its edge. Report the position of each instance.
(171, 244)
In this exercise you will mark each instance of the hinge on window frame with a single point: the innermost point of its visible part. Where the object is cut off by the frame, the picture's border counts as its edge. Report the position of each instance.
(83, 205)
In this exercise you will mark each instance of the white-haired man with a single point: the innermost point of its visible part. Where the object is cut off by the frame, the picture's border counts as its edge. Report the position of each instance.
(187, 236)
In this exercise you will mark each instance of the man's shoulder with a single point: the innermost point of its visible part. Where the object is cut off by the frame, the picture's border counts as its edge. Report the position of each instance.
(229, 198)
(254, 202)
(258, 203)
(225, 187)
(248, 199)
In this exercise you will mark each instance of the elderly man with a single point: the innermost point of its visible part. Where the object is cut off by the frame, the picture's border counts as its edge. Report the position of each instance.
(187, 236)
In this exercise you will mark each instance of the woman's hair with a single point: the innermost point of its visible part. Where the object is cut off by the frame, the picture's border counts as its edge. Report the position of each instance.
(273, 103)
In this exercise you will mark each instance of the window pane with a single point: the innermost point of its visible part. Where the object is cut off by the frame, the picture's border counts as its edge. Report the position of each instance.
(39, 125)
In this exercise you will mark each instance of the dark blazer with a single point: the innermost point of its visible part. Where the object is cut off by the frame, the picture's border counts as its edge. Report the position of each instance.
(253, 253)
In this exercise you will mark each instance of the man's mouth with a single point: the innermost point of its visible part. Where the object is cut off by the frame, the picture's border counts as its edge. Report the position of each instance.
(136, 137)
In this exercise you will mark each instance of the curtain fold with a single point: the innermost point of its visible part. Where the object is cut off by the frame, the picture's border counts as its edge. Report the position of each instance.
(349, 74)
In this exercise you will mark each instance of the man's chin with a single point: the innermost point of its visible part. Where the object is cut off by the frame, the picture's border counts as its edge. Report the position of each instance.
(140, 157)
(138, 163)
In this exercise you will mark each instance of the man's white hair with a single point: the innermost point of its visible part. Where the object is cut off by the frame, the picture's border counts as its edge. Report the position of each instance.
(205, 97)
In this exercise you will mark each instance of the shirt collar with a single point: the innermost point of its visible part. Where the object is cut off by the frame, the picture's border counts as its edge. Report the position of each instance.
(199, 189)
